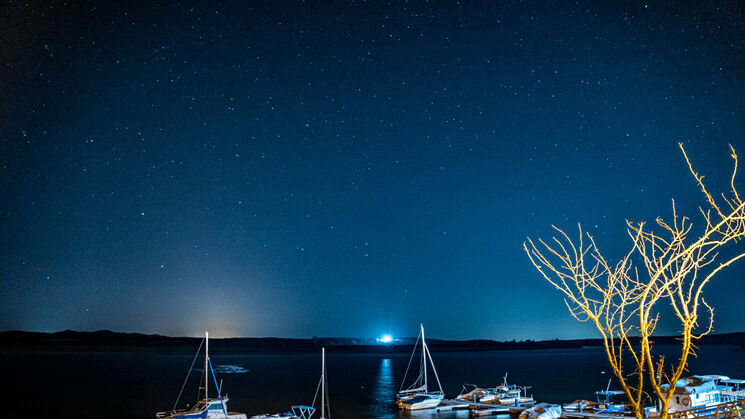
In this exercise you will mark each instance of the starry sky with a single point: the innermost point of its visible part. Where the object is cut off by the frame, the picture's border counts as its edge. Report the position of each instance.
(351, 168)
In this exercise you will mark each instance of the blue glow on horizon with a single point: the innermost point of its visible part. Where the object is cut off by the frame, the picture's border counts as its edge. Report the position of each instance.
(386, 338)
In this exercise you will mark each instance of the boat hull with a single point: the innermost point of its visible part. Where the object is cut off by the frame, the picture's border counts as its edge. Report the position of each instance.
(542, 411)
(207, 414)
(420, 401)
(183, 415)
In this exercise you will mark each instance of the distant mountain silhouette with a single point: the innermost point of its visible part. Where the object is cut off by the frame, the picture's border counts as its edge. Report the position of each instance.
(70, 340)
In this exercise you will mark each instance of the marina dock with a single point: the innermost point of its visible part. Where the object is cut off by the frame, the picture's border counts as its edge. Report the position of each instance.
(733, 409)
(452, 404)
(593, 415)
(483, 409)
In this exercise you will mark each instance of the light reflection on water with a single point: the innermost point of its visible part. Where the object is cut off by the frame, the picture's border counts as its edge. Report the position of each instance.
(385, 391)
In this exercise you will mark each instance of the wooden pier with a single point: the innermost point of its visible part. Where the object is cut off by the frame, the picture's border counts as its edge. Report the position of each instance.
(729, 410)
(452, 404)
(593, 415)
(735, 409)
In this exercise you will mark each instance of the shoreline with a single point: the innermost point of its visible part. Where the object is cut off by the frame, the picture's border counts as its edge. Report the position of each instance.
(107, 341)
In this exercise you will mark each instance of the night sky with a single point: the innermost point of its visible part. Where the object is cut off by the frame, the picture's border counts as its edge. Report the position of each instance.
(346, 169)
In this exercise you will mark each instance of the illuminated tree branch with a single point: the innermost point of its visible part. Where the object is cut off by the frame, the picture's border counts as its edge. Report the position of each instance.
(622, 306)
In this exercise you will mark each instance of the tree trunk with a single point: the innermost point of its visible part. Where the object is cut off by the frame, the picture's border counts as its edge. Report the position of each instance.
(664, 405)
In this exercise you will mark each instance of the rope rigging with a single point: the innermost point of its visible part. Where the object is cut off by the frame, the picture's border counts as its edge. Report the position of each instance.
(326, 387)
(419, 379)
(187, 376)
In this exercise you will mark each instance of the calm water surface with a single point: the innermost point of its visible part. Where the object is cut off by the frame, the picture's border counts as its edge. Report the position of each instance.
(127, 384)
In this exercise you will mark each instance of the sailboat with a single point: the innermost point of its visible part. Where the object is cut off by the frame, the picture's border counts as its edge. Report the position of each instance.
(302, 411)
(418, 396)
(206, 408)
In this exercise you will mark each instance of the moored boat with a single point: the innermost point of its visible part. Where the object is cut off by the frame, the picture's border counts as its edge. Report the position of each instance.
(607, 402)
(505, 394)
(207, 407)
(471, 393)
(701, 392)
(418, 395)
(302, 411)
(542, 411)
(511, 396)
(296, 412)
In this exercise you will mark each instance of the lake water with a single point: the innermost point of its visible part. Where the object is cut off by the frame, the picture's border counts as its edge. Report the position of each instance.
(137, 384)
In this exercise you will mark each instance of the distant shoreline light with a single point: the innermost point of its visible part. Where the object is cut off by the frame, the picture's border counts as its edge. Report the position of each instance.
(385, 339)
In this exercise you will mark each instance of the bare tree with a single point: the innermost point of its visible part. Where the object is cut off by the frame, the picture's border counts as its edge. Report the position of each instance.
(622, 302)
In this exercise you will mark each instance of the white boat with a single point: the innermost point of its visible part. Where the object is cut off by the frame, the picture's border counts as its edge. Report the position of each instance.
(507, 394)
(707, 395)
(471, 393)
(542, 411)
(296, 412)
(418, 396)
(511, 396)
(692, 393)
(606, 403)
(302, 411)
(579, 406)
(704, 391)
(206, 408)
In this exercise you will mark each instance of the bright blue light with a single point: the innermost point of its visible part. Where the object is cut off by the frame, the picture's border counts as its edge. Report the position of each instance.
(385, 339)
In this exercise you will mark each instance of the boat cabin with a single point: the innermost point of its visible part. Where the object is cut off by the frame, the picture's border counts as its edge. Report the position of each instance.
(607, 401)
(693, 392)
(216, 408)
(296, 412)
(204, 409)
(734, 389)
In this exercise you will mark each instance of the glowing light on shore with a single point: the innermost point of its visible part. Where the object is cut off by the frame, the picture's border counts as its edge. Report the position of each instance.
(385, 339)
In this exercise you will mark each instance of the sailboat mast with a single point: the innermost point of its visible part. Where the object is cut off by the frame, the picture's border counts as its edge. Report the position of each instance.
(424, 357)
(206, 362)
(323, 383)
